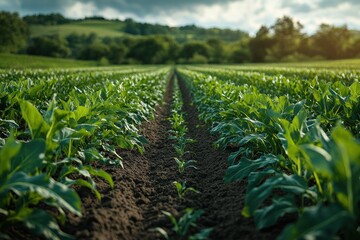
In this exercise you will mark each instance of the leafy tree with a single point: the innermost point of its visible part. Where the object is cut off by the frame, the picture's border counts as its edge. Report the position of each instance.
(14, 32)
(94, 51)
(240, 52)
(287, 38)
(355, 48)
(46, 19)
(189, 50)
(91, 38)
(75, 43)
(52, 46)
(217, 50)
(332, 42)
(149, 50)
(260, 44)
(117, 53)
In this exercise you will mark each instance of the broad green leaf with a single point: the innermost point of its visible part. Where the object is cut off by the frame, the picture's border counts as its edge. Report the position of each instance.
(269, 215)
(50, 111)
(65, 197)
(82, 183)
(245, 167)
(7, 153)
(30, 156)
(42, 223)
(318, 222)
(292, 184)
(346, 155)
(318, 159)
(36, 123)
(202, 235)
(80, 112)
(100, 173)
(252, 137)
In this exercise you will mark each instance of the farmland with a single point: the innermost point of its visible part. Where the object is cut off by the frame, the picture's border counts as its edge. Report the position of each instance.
(192, 152)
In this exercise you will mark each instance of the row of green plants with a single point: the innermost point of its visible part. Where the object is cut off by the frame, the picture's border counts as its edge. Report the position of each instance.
(178, 134)
(57, 131)
(297, 166)
(332, 94)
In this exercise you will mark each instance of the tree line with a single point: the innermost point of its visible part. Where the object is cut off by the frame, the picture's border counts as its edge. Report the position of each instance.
(154, 44)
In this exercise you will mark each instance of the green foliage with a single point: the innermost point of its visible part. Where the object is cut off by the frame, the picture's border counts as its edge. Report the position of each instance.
(16, 61)
(57, 124)
(181, 226)
(285, 131)
(182, 189)
(184, 164)
(22, 189)
(14, 32)
(51, 46)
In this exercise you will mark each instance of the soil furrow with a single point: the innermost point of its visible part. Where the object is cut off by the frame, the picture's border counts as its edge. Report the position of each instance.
(221, 202)
(142, 189)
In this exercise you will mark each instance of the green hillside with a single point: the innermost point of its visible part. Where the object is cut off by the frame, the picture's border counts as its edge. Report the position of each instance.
(100, 27)
(19, 61)
(128, 27)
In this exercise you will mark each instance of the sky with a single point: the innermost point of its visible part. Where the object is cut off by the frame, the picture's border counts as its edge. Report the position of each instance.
(246, 15)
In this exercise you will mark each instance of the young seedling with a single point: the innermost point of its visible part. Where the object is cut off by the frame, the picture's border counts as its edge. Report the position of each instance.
(183, 164)
(182, 189)
(182, 226)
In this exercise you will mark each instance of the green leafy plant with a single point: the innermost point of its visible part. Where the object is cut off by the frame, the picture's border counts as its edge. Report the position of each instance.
(182, 189)
(181, 227)
(284, 128)
(22, 189)
(184, 164)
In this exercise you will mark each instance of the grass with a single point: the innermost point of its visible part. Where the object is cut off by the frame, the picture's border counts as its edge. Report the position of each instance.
(101, 28)
(26, 61)
(333, 64)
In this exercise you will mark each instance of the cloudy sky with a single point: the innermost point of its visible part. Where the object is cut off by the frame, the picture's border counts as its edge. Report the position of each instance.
(247, 15)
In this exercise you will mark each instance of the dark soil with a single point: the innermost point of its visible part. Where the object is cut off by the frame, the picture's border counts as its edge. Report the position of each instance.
(144, 188)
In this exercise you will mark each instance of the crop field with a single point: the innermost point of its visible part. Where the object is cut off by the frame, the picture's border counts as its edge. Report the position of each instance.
(187, 152)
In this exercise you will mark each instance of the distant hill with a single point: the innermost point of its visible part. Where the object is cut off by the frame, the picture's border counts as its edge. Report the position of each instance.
(102, 28)
(56, 24)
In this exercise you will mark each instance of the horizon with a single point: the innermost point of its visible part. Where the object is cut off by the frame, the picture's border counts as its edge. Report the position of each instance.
(212, 14)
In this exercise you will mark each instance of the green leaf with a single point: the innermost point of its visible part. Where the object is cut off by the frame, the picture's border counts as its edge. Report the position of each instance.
(80, 112)
(161, 231)
(7, 153)
(292, 184)
(49, 112)
(67, 198)
(318, 159)
(202, 235)
(42, 223)
(83, 183)
(269, 215)
(30, 156)
(36, 123)
(100, 173)
(245, 167)
(318, 222)
(346, 155)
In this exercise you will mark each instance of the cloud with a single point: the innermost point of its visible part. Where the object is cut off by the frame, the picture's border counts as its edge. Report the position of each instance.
(246, 15)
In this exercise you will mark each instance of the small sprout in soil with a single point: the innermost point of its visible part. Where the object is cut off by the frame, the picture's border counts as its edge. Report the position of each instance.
(182, 189)
(183, 164)
(180, 228)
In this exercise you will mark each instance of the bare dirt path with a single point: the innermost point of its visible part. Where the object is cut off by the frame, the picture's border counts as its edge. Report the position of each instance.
(142, 189)
(221, 202)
